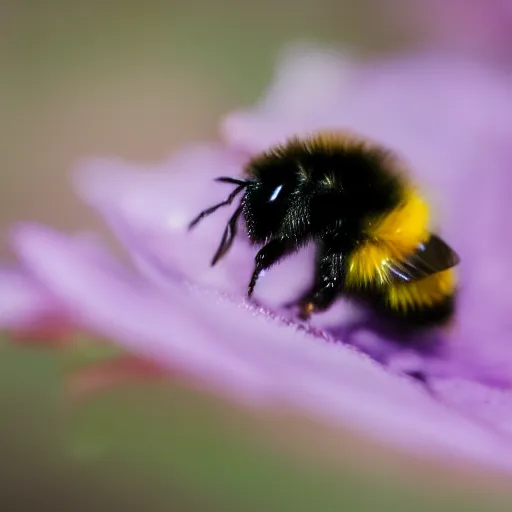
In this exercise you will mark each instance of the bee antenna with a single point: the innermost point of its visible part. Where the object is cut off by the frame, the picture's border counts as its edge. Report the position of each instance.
(234, 181)
(212, 209)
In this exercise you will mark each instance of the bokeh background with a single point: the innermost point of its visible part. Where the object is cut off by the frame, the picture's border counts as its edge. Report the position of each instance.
(139, 80)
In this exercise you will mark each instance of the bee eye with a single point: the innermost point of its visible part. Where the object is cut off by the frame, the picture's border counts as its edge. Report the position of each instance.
(275, 193)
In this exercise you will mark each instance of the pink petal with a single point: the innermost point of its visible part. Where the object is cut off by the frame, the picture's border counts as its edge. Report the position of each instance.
(250, 354)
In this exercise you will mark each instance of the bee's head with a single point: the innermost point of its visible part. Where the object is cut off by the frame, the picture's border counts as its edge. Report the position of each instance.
(274, 204)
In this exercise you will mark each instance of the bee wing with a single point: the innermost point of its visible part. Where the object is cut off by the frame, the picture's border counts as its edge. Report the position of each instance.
(431, 257)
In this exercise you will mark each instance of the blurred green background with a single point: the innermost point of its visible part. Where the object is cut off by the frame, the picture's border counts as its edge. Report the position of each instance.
(139, 80)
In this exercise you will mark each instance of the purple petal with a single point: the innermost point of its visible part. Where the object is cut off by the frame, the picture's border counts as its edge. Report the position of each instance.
(23, 301)
(253, 356)
(311, 88)
(493, 407)
(150, 209)
(411, 103)
(155, 206)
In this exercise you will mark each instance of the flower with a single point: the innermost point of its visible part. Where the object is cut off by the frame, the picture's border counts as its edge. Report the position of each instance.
(450, 118)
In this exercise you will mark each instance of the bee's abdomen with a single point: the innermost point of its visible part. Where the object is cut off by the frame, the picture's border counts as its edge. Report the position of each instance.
(424, 303)
(437, 314)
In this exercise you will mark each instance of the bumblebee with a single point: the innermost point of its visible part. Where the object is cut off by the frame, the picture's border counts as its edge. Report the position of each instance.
(354, 200)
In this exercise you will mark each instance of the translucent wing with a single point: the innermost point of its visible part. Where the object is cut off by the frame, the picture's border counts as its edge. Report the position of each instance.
(430, 258)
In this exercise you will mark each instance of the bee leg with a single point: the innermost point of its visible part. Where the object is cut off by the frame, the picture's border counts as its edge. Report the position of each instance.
(267, 256)
(327, 286)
